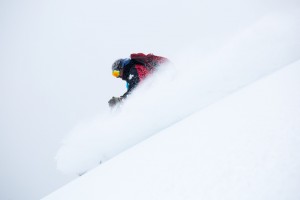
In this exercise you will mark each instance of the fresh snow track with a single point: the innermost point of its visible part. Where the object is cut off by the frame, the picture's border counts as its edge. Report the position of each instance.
(170, 97)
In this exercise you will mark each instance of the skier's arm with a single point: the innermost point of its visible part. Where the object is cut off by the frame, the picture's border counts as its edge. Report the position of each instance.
(132, 81)
(131, 85)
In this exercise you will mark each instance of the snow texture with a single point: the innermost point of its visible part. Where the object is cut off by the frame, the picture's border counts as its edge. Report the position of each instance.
(178, 91)
(245, 146)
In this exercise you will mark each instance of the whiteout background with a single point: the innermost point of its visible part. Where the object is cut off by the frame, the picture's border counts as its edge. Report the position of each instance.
(55, 59)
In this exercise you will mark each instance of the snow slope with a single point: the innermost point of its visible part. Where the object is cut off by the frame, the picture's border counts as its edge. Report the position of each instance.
(245, 146)
(269, 44)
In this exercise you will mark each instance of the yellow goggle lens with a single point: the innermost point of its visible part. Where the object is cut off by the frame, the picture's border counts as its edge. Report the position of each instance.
(116, 73)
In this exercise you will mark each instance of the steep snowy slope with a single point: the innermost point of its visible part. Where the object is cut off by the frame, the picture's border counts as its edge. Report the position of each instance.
(245, 146)
(267, 45)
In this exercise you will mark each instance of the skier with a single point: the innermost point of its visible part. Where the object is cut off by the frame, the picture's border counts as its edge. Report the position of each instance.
(133, 70)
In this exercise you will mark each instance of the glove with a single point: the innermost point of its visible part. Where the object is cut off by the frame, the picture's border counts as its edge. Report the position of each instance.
(114, 101)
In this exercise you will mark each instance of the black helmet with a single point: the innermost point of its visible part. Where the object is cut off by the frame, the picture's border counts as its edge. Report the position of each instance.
(120, 63)
(117, 65)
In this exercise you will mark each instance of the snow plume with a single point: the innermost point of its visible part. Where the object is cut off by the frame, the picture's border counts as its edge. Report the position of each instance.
(168, 97)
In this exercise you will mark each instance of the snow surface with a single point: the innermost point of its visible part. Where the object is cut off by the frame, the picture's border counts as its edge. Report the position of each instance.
(171, 95)
(245, 146)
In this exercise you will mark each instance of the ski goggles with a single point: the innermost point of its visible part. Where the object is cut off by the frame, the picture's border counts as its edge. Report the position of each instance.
(116, 73)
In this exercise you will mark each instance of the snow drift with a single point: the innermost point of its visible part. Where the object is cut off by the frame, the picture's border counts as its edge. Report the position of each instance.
(245, 146)
(266, 46)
